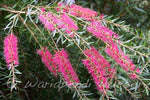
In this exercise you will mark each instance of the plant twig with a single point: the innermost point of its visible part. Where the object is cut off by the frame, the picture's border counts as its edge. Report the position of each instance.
(126, 88)
(30, 31)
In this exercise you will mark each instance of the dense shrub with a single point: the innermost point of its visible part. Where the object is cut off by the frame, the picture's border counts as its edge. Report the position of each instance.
(53, 50)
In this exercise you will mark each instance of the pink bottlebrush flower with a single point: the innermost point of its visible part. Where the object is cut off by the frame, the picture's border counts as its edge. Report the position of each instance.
(96, 57)
(49, 20)
(42, 18)
(65, 67)
(11, 50)
(79, 11)
(43, 9)
(122, 59)
(101, 16)
(133, 76)
(62, 7)
(99, 68)
(138, 70)
(48, 60)
(101, 32)
(68, 24)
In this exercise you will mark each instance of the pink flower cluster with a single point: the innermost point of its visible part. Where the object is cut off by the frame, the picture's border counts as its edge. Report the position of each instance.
(64, 22)
(48, 60)
(68, 24)
(99, 68)
(101, 32)
(59, 63)
(65, 67)
(122, 59)
(106, 35)
(96, 28)
(49, 20)
(62, 7)
(79, 11)
(11, 50)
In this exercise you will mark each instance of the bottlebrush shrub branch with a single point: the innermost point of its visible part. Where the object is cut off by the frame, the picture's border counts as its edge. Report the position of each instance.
(68, 21)
(11, 57)
(96, 28)
(11, 50)
(96, 64)
(63, 21)
(99, 68)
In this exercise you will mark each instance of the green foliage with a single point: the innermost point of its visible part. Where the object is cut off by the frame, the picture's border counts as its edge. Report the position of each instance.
(130, 19)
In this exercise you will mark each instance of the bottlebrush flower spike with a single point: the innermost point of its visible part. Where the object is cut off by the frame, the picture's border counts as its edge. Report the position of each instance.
(99, 68)
(43, 9)
(133, 76)
(62, 7)
(101, 16)
(79, 11)
(11, 50)
(65, 67)
(138, 70)
(122, 59)
(101, 32)
(68, 24)
(49, 20)
(48, 60)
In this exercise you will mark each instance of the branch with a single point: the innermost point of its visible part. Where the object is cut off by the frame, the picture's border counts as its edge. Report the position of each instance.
(17, 12)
